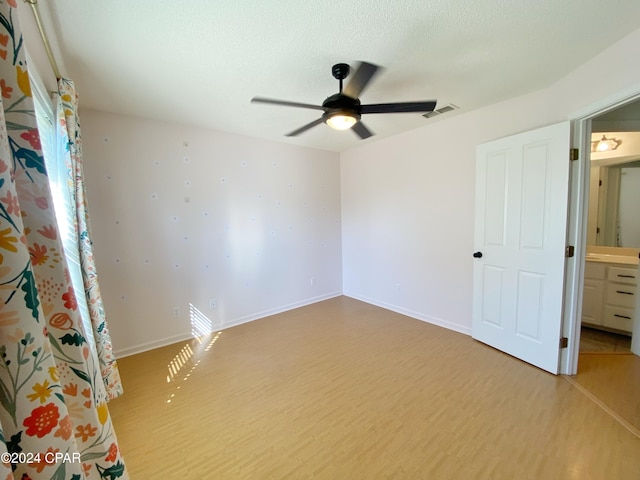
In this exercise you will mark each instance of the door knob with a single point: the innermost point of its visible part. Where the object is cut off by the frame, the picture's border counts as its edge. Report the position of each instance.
(477, 255)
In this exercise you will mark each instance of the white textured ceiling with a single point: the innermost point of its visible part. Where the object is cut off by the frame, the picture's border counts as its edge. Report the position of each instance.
(200, 62)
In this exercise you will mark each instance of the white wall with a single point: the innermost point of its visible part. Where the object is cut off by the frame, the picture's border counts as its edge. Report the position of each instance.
(407, 201)
(599, 81)
(408, 213)
(182, 215)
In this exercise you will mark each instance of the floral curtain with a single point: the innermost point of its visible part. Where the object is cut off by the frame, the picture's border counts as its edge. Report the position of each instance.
(69, 134)
(54, 419)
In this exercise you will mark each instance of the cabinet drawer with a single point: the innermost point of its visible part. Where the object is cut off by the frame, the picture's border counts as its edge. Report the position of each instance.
(621, 295)
(594, 270)
(623, 275)
(619, 318)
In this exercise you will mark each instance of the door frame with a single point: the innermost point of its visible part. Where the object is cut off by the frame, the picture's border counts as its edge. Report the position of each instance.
(577, 221)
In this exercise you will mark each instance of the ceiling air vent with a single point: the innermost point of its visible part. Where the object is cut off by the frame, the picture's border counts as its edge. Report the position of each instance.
(439, 111)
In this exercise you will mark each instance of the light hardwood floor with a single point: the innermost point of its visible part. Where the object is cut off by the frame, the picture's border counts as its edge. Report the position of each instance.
(614, 380)
(345, 390)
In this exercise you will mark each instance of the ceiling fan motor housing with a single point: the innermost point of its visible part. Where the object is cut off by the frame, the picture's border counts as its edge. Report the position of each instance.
(340, 104)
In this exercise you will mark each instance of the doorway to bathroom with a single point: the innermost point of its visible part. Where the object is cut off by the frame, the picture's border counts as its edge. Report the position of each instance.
(610, 276)
(608, 327)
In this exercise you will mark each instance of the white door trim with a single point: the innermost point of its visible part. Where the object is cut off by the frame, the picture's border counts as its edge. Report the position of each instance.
(577, 221)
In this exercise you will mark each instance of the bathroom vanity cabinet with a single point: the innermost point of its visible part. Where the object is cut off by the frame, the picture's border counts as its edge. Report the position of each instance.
(609, 297)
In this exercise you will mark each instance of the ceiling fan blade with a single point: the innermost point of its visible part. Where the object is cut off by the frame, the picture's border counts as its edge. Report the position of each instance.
(305, 128)
(364, 74)
(404, 107)
(285, 103)
(362, 131)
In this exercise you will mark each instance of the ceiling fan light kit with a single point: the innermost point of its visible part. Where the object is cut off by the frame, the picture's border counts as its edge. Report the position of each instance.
(341, 120)
(343, 110)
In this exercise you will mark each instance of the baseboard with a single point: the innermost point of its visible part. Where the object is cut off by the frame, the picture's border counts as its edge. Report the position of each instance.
(410, 313)
(144, 347)
(274, 311)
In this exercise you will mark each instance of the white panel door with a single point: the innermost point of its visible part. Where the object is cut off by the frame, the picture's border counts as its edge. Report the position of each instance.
(522, 187)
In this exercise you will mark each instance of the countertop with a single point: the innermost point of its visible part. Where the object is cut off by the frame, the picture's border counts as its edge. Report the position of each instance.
(606, 258)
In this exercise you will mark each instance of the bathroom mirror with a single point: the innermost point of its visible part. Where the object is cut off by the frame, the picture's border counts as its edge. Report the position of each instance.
(614, 202)
(614, 192)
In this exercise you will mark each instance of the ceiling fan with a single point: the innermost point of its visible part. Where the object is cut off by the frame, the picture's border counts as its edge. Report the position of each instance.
(343, 110)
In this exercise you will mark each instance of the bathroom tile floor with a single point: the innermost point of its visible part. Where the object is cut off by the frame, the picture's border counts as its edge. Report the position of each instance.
(593, 340)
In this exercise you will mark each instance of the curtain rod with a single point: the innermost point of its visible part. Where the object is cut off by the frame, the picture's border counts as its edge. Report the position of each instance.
(45, 39)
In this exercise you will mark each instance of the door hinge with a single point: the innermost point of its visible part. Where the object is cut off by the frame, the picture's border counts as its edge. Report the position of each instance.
(574, 154)
(599, 183)
(564, 342)
(569, 251)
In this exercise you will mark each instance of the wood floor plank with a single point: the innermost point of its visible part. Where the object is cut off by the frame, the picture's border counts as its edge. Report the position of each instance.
(614, 379)
(342, 389)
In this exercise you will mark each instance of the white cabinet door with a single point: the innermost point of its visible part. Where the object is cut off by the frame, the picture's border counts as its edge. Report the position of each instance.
(522, 185)
(592, 301)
